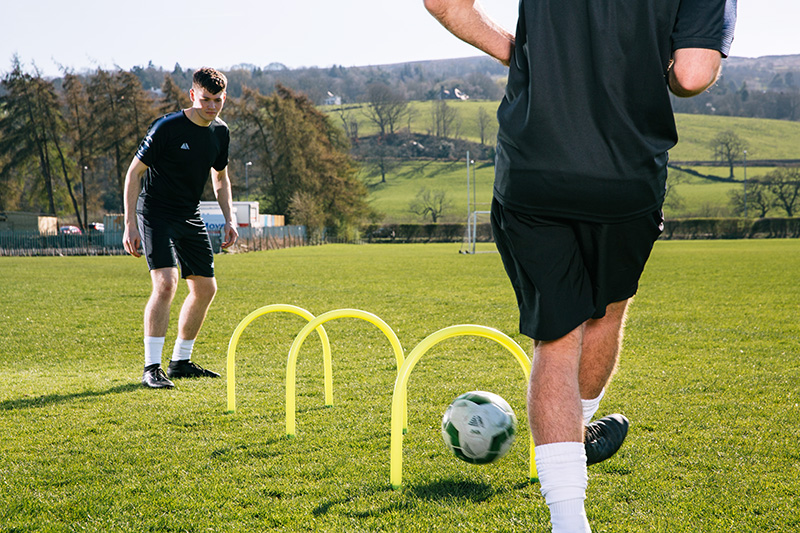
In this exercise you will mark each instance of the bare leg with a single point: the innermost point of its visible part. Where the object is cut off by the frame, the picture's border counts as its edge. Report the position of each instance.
(195, 307)
(156, 313)
(556, 419)
(602, 340)
(554, 408)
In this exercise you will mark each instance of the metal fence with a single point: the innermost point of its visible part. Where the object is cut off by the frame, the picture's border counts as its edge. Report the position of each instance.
(32, 243)
(267, 238)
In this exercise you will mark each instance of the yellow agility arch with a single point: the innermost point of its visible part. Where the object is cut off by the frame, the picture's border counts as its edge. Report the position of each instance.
(234, 342)
(306, 331)
(400, 395)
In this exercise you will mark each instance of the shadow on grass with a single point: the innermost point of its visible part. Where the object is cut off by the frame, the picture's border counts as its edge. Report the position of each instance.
(51, 399)
(450, 489)
(373, 511)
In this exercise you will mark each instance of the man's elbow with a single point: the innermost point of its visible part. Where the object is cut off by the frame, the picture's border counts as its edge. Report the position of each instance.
(694, 71)
(691, 83)
(435, 7)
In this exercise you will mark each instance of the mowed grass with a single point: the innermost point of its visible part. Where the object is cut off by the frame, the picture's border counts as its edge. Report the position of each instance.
(709, 378)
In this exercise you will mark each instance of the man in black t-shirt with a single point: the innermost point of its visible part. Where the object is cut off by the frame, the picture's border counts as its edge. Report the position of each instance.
(584, 130)
(172, 164)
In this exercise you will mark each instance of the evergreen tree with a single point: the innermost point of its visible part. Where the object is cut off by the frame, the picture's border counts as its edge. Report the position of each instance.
(174, 98)
(303, 159)
(81, 132)
(123, 110)
(33, 128)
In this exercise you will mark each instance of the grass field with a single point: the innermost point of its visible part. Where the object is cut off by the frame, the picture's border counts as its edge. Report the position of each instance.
(709, 378)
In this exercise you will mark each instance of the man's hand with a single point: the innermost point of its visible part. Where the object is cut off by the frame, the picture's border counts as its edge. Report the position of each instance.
(131, 240)
(230, 234)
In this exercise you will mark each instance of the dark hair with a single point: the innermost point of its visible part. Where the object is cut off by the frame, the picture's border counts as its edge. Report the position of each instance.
(210, 79)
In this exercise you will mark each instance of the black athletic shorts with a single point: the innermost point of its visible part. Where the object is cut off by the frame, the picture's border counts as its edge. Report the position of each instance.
(168, 240)
(565, 272)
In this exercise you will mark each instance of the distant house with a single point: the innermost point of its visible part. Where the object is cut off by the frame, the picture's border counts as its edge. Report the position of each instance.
(332, 99)
(455, 94)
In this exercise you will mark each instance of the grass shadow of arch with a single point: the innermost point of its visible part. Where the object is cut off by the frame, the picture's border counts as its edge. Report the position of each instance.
(454, 489)
(393, 507)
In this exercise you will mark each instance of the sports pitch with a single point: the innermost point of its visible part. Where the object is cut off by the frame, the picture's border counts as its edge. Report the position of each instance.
(709, 378)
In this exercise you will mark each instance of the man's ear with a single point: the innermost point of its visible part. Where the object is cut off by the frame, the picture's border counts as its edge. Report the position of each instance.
(191, 94)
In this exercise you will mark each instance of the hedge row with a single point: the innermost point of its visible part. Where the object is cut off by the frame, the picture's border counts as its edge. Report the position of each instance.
(731, 228)
(687, 228)
(424, 232)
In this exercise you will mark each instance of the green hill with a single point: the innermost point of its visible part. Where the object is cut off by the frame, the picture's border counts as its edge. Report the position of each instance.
(766, 139)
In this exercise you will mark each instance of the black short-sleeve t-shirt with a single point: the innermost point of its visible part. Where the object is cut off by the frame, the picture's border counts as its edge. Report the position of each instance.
(586, 121)
(179, 155)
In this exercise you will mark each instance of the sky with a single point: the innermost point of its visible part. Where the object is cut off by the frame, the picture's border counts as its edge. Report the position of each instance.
(88, 34)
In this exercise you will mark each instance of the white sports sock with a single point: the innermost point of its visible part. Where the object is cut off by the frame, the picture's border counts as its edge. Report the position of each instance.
(590, 407)
(153, 346)
(182, 350)
(562, 473)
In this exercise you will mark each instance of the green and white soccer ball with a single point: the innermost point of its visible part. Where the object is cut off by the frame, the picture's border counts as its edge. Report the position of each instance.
(479, 427)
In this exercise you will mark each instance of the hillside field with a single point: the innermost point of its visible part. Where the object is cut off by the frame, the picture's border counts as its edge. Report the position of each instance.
(766, 139)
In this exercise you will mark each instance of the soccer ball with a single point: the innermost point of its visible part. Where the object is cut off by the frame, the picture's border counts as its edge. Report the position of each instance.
(479, 427)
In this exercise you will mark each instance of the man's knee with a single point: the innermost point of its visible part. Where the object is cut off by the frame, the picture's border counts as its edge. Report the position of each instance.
(165, 282)
(203, 288)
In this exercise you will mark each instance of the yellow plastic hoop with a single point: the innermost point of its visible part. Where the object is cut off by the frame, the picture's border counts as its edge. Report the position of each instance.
(400, 395)
(234, 342)
(291, 365)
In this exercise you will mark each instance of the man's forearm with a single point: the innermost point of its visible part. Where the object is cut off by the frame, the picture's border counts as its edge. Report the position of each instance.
(224, 194)
(467, 20)
(132, 179)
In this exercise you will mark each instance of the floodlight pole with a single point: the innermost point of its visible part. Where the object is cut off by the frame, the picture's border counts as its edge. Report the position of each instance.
(745, 184)
(469, 210)
(247, 179)
(474, 213)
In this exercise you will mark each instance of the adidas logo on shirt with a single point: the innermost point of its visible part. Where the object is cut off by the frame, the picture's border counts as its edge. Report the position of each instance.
(185, 146)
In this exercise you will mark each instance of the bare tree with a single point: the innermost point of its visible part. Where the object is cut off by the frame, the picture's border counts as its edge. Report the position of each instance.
(381, 160)
(487, 124)
(784, 184)
(728, 148)
(672, 198)
(430, 203)
(349, 124)
(443, 117)
(385, 107)
(756, 199)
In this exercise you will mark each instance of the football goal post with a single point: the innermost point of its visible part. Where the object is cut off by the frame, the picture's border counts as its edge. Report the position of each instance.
(478, 222)
(478, 228)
